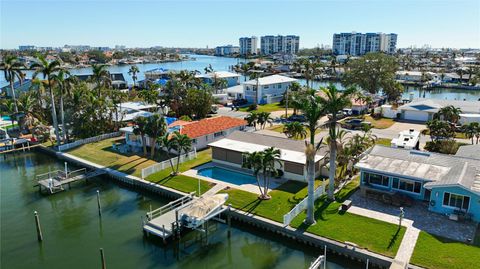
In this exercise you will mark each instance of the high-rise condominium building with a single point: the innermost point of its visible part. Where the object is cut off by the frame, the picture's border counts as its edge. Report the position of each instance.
(359, 44)
(248, 45)
(270, 44)
(226, 50)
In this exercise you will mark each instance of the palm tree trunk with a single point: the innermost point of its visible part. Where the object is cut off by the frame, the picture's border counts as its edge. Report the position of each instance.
(144, 144)
(13, 94)
(54, 114)
(331, 172)
(62, 112)
(258, 183)
(311, 189)
(178, 159)
(153, 142)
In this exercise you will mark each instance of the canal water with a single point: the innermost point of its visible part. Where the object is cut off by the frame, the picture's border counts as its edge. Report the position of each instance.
(224, 63)
(73, 232)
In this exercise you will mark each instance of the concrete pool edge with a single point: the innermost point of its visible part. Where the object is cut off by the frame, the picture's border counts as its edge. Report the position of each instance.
(306, 238)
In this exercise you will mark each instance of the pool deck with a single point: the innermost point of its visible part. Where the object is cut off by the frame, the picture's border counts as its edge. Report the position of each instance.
(253, 188)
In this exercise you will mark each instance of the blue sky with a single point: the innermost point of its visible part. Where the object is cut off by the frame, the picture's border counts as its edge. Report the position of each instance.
(180, 23)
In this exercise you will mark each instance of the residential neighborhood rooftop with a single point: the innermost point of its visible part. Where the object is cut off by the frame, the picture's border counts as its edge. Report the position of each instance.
(270, 80)
(433, 105)
(291, 150)
(210, 126)
(220, 74)
(439, 169)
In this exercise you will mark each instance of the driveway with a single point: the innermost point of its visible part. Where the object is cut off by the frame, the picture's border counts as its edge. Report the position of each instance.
(227, 111)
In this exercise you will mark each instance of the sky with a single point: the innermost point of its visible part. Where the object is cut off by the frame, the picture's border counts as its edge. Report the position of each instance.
(182, 23)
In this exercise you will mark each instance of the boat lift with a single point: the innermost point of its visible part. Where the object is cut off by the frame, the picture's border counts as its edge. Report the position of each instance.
(185, 212)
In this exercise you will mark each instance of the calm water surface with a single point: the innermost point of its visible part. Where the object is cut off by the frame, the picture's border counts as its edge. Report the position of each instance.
(73, 231)
(224, 63)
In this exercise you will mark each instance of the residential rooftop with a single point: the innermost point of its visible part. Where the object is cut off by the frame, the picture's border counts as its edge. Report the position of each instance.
(438, 169)
(210, 125)
(273, 79)
(433, 105)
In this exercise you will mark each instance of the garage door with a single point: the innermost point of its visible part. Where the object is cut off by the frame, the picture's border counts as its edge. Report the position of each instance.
(416, 115)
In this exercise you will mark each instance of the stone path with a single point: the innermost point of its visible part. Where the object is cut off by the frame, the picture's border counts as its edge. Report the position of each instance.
(215, 189)
(409, 240)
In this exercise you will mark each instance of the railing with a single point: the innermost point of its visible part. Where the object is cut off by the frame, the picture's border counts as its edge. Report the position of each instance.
(287, 218)
(87, 140)
(48, 175)
(319, 261)
(170, 206)
(78, 172)
(165, 164)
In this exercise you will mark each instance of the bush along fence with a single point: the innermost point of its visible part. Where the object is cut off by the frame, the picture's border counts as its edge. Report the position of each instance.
(87, 140)
(287, 218)
(166, 164)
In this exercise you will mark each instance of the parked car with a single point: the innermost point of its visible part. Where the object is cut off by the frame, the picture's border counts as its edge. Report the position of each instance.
(347, 112)
(355, 124)
(239, 102)
(299, 118)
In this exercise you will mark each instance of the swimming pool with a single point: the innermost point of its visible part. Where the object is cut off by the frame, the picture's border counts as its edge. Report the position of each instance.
(226, 175)
(6, 118)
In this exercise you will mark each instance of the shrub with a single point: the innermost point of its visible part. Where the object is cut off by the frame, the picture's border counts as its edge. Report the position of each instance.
(443, 146)
(185, 118)
(252, 107)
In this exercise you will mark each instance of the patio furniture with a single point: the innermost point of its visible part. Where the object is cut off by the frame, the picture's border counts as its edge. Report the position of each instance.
(346, 205)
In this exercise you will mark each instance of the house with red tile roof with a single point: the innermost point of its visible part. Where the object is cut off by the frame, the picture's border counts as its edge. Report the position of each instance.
(208, 130)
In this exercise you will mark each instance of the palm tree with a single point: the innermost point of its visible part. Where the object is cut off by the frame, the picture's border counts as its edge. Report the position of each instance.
(47, 69)
(254, 161)
(270, 157)
(255, 74)
(181, 143)
(294, 130)
(156, 128)
(472, 130)
(140, 128)
(101, 76)
(313, 111)
(167, 145)
(252, 119)
(263, 119)
(65, 83)
(448, 113)
(12, 69)
(332, 100)
(133, 72)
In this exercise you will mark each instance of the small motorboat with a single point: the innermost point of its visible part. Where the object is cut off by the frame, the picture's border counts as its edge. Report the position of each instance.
(202, 209)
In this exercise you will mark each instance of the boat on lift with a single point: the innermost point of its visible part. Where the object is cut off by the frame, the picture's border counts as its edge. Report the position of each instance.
(202, 209)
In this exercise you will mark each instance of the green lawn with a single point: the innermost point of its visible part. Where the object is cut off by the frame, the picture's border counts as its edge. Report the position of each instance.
(383, 141)
(184, 183)
(381, 123)
(375, 235)
(101, 153)
(265, 108)
(436, 252)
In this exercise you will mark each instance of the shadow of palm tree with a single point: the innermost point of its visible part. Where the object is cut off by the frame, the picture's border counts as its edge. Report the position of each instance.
(393, 239)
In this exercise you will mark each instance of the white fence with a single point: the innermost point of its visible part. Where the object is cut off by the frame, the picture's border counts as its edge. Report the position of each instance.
(87, 140)
(166, 164)
(287, 218)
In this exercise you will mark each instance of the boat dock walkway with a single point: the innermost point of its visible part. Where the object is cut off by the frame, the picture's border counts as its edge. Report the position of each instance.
(55, 181)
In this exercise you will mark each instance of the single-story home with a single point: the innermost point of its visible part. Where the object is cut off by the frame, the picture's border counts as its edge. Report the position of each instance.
(422, 109)
(201, 132)
(270, 89)
(415, 76)
(229, 151)
(128, 111)
(450, 184)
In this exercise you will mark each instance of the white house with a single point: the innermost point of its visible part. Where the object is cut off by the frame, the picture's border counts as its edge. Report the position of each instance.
(423, 109)
(415, 76)
(270, 89)
(229, 151)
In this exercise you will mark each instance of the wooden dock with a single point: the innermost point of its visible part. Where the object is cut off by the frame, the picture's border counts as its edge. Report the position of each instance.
(56, 181)
(163, 222)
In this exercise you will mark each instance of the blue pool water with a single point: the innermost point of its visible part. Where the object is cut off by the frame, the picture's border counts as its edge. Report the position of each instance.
(6, 118)
(226, 175)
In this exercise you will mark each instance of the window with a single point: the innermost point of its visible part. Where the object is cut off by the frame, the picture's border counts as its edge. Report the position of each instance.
(265, 87)
(217, 134)
(455, 200)
(194, 141)
(376, 179)
(406, 185)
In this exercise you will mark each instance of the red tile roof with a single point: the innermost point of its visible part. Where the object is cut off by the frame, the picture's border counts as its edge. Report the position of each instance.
(211, 125)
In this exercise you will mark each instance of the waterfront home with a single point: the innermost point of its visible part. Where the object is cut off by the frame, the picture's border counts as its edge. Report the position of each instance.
(118, 80)
(20, 87)
(128, 111)
(201, 132)
(270, 89)
(229, 151)
(450, 184)
(230, 78)
(416, 76)
(423, 109)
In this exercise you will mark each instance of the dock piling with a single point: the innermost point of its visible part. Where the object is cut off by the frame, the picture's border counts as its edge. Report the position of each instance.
(229, 220)
(368, 261)
(102, 257)
(325, 258)
(98, 203)
(39, 229)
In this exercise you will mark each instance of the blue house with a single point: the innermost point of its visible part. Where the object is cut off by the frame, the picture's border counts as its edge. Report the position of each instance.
(450, 183)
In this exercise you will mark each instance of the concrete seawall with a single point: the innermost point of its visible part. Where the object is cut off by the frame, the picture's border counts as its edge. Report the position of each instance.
(348, 250)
